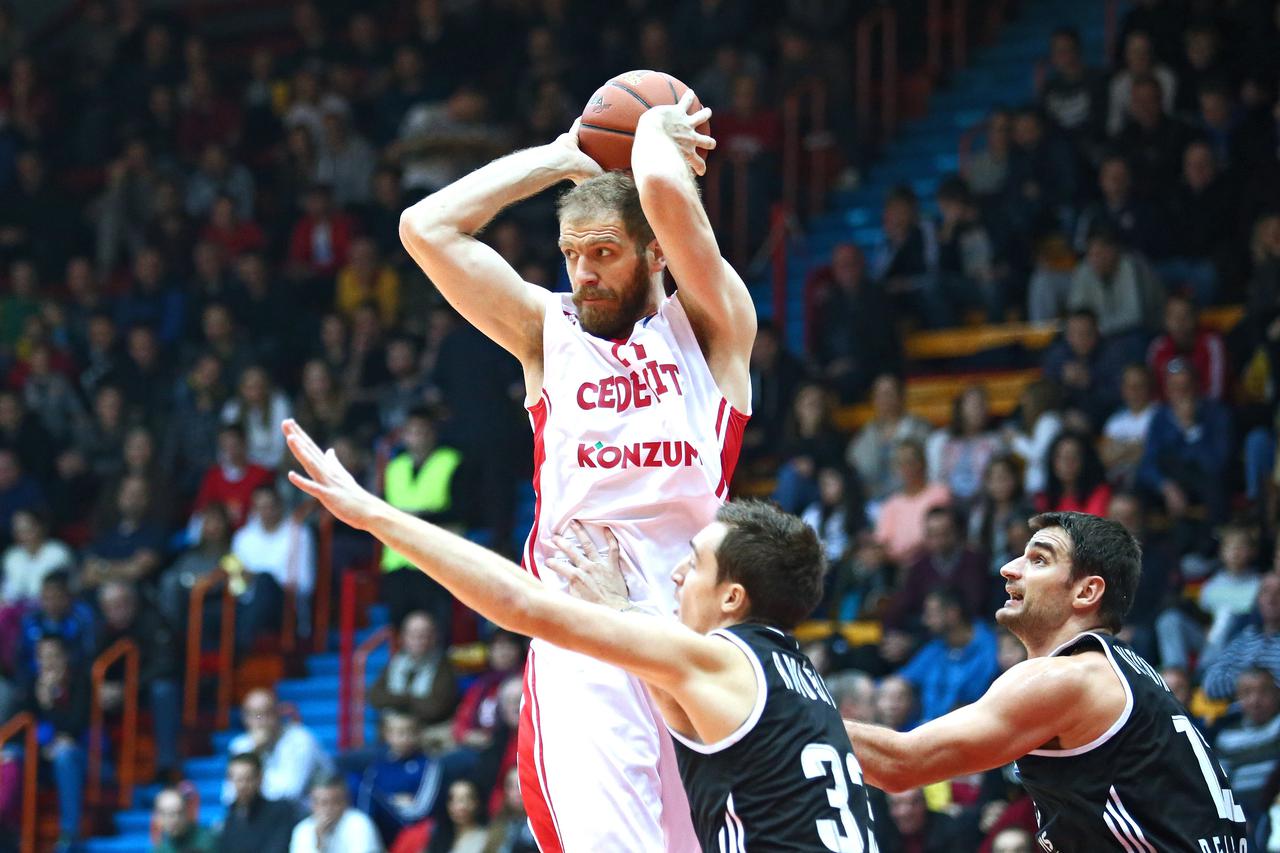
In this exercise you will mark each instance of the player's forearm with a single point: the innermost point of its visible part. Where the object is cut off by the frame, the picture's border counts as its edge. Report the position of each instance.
(657, 164)
(480, 579)
(470, 202)
(882, 753)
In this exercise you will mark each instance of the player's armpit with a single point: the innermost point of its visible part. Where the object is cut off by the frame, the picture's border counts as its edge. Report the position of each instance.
(1027, 707)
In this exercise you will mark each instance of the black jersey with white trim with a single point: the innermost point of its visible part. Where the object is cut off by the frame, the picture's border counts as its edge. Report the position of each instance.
(787, 779)
(1149, 784)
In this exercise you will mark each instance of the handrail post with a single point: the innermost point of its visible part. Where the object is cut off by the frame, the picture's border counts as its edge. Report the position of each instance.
(226, 648)
(128, 650)
(324, 582)
(226, 656)
(791, 149)
(359, 671)
(16, 725)
(741, 207)
(818, 154)
(778, 233)
(346, 643)
(887, 20)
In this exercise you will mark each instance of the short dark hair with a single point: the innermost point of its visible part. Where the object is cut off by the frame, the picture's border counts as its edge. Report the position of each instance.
(328, 780)
(233, 426)
(250, 758)
(1071, 34)
(1083, 314)
(610, 193)
(1104, 548)
(954, 189)
(60, 578)
(950, 598)
(776, 557)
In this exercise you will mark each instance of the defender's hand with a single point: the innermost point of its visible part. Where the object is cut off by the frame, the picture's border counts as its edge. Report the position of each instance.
(577, 166)
(329, 482)
(680, 127)
(592, 577)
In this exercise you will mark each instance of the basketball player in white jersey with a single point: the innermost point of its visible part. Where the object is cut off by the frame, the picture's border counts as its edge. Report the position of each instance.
(637, 402)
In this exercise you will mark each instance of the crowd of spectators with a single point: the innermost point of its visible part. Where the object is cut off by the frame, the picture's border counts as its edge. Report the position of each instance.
(200, 239)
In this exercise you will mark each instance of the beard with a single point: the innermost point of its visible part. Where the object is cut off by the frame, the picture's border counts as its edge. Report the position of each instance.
(615, 316)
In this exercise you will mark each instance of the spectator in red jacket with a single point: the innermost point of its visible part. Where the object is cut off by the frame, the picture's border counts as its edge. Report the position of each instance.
(321, 239)
(478, 715)
(233, 479)
(1183, 338)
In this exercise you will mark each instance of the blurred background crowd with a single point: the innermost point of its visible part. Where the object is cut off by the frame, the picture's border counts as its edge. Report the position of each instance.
(199, 207)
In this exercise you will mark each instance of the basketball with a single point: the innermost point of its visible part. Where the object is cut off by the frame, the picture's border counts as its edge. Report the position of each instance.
(610, 117)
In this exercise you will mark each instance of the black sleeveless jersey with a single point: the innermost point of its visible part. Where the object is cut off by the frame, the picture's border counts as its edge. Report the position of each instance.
(1149, 784)
(787, 779)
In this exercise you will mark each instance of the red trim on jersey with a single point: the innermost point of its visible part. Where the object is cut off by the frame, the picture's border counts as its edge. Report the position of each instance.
(532, 769)
(720, 417)
(730, 447)
(538, 416)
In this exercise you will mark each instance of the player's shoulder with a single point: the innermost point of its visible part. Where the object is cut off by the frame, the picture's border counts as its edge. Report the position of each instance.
(1059, 678)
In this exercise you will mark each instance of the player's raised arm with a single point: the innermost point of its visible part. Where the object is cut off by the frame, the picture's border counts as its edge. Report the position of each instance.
(1027, 707)
(660, 651)
(663, 159)
(439, 233)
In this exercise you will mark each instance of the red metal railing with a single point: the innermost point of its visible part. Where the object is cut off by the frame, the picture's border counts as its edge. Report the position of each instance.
(324, 583)
(226, 650)
(359, 673)
(125, 649)
(25, 724)
(885, 20)
(940, 23)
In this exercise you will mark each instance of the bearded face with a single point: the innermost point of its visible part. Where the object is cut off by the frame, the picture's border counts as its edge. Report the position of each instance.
(610, 312)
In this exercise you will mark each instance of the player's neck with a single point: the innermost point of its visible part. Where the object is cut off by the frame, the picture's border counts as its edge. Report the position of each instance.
(1045, 645)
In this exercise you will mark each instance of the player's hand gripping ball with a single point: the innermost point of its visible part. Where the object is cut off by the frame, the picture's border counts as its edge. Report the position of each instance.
(609, 119)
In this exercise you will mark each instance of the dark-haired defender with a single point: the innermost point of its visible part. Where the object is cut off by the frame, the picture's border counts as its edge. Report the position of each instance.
(637, 402)
(762, 751)
(1111, 759)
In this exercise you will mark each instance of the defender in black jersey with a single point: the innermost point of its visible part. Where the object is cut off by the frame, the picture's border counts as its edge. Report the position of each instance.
(786, 779)
(761, 747)
(1112, 761)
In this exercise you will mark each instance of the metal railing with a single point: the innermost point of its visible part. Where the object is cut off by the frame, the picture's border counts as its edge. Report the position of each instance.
(126, 650)
(24, 725)
(359, 672)
(226, 650)
(941, 22)
(324, 584)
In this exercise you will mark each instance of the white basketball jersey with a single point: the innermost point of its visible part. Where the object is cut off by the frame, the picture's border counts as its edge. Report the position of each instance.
(633, 435)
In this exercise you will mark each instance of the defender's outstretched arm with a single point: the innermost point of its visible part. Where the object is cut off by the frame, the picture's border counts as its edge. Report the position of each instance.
(660, 651)
(1027, 707)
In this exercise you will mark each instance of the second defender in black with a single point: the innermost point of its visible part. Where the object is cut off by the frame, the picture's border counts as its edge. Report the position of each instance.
(1112, 761)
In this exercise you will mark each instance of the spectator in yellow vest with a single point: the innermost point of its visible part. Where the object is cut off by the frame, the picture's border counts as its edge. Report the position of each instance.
(420, 480)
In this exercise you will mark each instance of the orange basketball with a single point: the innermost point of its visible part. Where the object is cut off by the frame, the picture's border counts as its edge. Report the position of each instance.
(609, 118)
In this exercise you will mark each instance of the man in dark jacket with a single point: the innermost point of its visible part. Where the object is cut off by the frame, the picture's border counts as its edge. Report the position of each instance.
(254, 822)
(158, 670)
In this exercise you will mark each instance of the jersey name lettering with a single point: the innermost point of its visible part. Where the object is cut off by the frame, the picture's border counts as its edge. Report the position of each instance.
(1223, 844)
(638, 389)
(801, 678)
(639, 454)
(1139, 665)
